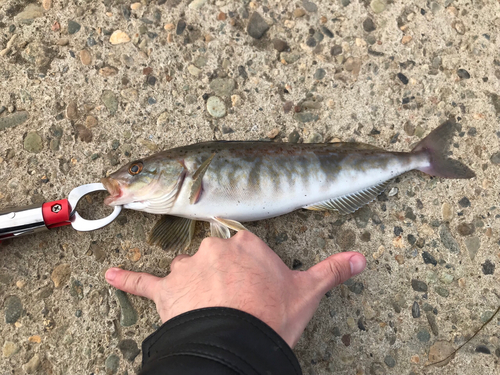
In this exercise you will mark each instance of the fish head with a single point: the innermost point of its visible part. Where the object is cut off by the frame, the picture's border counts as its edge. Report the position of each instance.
(141, 184)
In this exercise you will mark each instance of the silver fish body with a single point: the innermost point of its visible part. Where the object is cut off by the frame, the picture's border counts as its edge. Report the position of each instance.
(225, 183)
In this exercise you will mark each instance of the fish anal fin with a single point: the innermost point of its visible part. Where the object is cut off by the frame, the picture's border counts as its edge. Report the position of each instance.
(197, 186)
(219, 230)
(347, 204)
(172, 233)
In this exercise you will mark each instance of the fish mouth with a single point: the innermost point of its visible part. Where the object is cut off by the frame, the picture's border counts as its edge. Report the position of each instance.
(114, 190)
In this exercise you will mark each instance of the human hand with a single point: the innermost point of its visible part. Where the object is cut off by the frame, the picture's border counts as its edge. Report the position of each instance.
(245, 274)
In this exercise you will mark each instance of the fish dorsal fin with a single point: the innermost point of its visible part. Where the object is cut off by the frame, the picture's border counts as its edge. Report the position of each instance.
(197, 187)
(172, 233)
(349, 203)
(219, 230)
(220, 227)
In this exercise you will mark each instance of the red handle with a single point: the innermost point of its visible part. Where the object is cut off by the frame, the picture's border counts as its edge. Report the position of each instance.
(56, 213)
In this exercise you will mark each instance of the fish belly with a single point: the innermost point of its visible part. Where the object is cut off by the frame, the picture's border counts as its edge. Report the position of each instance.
(265, 187)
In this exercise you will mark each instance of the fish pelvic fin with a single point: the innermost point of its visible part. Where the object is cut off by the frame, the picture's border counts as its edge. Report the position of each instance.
(197, 187)
(436, 146)
(349, 203)
(172, 233)
(219, 230)
(220, 227)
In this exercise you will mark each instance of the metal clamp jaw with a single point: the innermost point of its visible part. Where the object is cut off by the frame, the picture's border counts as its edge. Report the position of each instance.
(20, 221)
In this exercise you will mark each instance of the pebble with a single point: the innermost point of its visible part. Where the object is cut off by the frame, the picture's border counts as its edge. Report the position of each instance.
(465, 229)
(314, 138)
(119, 37)
(13, 309)
(393, 192)
(406, 39)
(488, 267)
(415, 310)
(62, 42)
(482, 349)
(443, 292)
(428, 258)
(447, 212)
(357, 287)
(257, 26)
(60, 275)
(439, 351)
(216, 107)
(222, 86)
(336, 50)
(236, 100)
(181, 26)
(306, 117)
(390, 361)
(110, 100)
(111, 364)
(345, 2)
(289, 57)
(72, 110)
(463, 74)
(108, 71)
(280, 45)
(33, 143)
(13, 120)
(309, 6)
(273, 133)
(193, 70)
(83, 133)
(30, 12)
(73, 27)
(129, 349)
(369, 25)
(319, 74)
(32, 365)
(378, 6)
(163, 119)
(299, 12)
(9, 348)
(346, 239)
(464, 202)
(85, 57)
(423, 335)
(448, 240)
(128, 316)
(431, 319)
(197, 4)
(90, 122)
(418, 285)
(294, 137)
(403, 78)
(495, 158)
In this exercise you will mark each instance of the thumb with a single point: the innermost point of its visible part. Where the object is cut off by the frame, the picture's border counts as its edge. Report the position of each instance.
(138, 283)
(336, 269)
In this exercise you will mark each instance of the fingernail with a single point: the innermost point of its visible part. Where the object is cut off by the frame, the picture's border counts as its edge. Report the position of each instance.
(112, 272)
(358, 263)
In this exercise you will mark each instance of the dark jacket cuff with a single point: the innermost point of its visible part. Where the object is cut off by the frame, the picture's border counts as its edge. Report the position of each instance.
(220, 341)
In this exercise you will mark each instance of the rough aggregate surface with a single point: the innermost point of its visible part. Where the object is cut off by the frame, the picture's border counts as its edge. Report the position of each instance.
(88, 86)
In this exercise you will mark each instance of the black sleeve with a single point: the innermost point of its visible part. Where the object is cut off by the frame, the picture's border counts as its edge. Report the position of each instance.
(219, 341)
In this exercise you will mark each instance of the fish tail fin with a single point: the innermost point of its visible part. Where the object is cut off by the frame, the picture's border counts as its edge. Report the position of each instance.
(436, 146)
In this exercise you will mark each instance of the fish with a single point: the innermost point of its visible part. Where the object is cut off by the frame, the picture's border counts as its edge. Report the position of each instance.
(226, 183)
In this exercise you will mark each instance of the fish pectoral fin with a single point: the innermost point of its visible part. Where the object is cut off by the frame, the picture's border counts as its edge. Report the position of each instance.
(197, 186)
(219, 230)
(172, 233)
(231, 224)
(349, 203)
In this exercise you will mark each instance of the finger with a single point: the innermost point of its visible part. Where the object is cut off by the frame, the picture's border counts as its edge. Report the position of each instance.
(335, 270)
(177, 259)
(138, 283)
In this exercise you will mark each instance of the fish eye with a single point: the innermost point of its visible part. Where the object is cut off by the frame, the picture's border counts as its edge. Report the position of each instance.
(135, 168)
